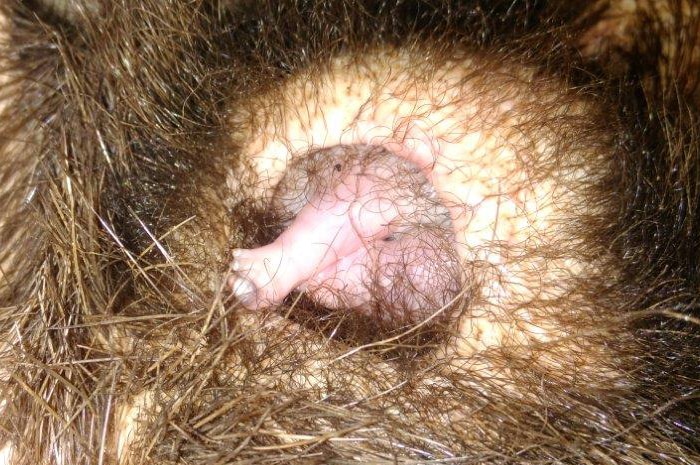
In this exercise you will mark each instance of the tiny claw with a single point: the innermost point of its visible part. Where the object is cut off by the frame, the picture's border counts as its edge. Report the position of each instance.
(236, 265)
(242, 288)
(239, 262)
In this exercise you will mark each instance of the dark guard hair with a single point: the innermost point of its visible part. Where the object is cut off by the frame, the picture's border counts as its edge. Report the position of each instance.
(113, 124)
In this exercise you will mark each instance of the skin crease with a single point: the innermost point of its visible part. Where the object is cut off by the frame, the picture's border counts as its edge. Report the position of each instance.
(141, 146)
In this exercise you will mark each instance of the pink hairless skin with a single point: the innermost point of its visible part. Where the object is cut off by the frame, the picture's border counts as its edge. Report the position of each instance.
(338, 239)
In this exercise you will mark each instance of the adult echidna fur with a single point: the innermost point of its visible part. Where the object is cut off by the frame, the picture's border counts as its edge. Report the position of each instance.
(403, 231)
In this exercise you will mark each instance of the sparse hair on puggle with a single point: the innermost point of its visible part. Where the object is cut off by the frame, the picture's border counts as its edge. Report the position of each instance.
(119, 344)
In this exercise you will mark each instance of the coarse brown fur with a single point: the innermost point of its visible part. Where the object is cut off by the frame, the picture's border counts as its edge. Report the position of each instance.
(115, 123)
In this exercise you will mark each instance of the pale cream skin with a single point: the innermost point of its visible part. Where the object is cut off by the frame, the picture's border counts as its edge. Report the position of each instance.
(468, 148)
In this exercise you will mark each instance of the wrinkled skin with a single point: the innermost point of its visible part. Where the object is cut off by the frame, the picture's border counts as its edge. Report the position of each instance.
(143, 143)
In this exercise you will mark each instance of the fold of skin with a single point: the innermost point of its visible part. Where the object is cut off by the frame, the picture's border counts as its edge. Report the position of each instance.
(512, 182)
